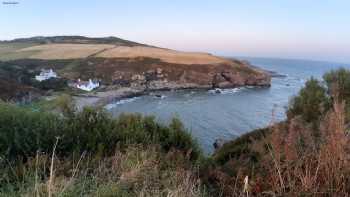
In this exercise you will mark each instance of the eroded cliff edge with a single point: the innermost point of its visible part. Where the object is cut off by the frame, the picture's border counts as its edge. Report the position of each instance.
(154, 74)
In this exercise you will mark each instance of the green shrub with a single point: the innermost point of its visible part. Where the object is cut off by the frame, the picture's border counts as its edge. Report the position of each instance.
(181, 139)
(89, 130)
(311, 102)
(23, 132)
(240, 146)
(136, 129)
(56, 84)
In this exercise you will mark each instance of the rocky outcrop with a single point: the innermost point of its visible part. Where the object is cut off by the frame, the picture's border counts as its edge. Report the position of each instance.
(228, 79)
(164, 76)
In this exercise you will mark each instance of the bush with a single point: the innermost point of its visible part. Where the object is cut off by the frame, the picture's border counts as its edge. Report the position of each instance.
(89, 130)
(55, 84)
(311, 102)
(136, 129)
(241, 146)
(23, 132)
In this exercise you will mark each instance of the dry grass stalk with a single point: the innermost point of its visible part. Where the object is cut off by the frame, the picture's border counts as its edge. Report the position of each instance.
(50, 183)
(75, 170)
(36, 174)
(306, 163)
(335, 151)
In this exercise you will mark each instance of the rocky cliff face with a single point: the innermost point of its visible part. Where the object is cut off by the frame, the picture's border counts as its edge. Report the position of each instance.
(229, 79)
(153, 74)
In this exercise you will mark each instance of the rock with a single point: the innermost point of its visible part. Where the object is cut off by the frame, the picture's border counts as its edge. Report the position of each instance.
(121, 82)
(160, 96)
(235, 78)
(218, 80)
(153, 74)
(260, 80)
(159, 71)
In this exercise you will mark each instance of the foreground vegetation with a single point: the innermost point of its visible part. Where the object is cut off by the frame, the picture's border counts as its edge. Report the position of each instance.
(306, 155)
(89, 153)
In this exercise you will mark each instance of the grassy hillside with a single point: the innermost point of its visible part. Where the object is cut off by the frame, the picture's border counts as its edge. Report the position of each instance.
(21, 48)
(53, 51)
(75, 47)
(65, 51)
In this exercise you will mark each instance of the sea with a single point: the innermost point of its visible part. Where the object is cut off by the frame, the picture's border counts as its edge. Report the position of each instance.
(209, 115)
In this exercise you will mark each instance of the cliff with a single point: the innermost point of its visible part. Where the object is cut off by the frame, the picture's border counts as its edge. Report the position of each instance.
(119, 63)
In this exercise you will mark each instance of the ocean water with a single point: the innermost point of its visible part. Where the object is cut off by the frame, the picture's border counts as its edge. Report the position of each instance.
(210, 116)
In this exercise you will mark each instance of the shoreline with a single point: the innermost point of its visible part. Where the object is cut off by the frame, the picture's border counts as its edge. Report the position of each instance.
(103, 98)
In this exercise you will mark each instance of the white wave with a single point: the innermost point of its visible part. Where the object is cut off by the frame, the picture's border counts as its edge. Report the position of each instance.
(225, 91)
(120, 102)
(250, 87)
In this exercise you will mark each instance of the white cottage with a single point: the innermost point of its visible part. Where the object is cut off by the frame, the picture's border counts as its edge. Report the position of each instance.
(87, 86)
(45, 75)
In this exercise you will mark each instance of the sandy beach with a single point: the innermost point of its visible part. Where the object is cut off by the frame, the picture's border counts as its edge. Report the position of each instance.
(98, 99)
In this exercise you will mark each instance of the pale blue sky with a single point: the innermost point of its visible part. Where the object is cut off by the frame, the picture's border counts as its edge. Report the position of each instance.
(308, 29)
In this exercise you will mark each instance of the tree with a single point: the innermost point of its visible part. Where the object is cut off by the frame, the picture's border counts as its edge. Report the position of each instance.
(310, 103)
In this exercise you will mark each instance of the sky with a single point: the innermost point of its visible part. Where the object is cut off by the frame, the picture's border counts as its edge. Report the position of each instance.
(303, 29)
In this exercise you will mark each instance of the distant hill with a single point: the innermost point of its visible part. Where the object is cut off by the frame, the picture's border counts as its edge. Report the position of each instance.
(78, 47)
(74, 40)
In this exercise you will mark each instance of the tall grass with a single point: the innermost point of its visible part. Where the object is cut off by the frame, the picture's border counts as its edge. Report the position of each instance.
(135, 171)
(306, 155)
(308, 165)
